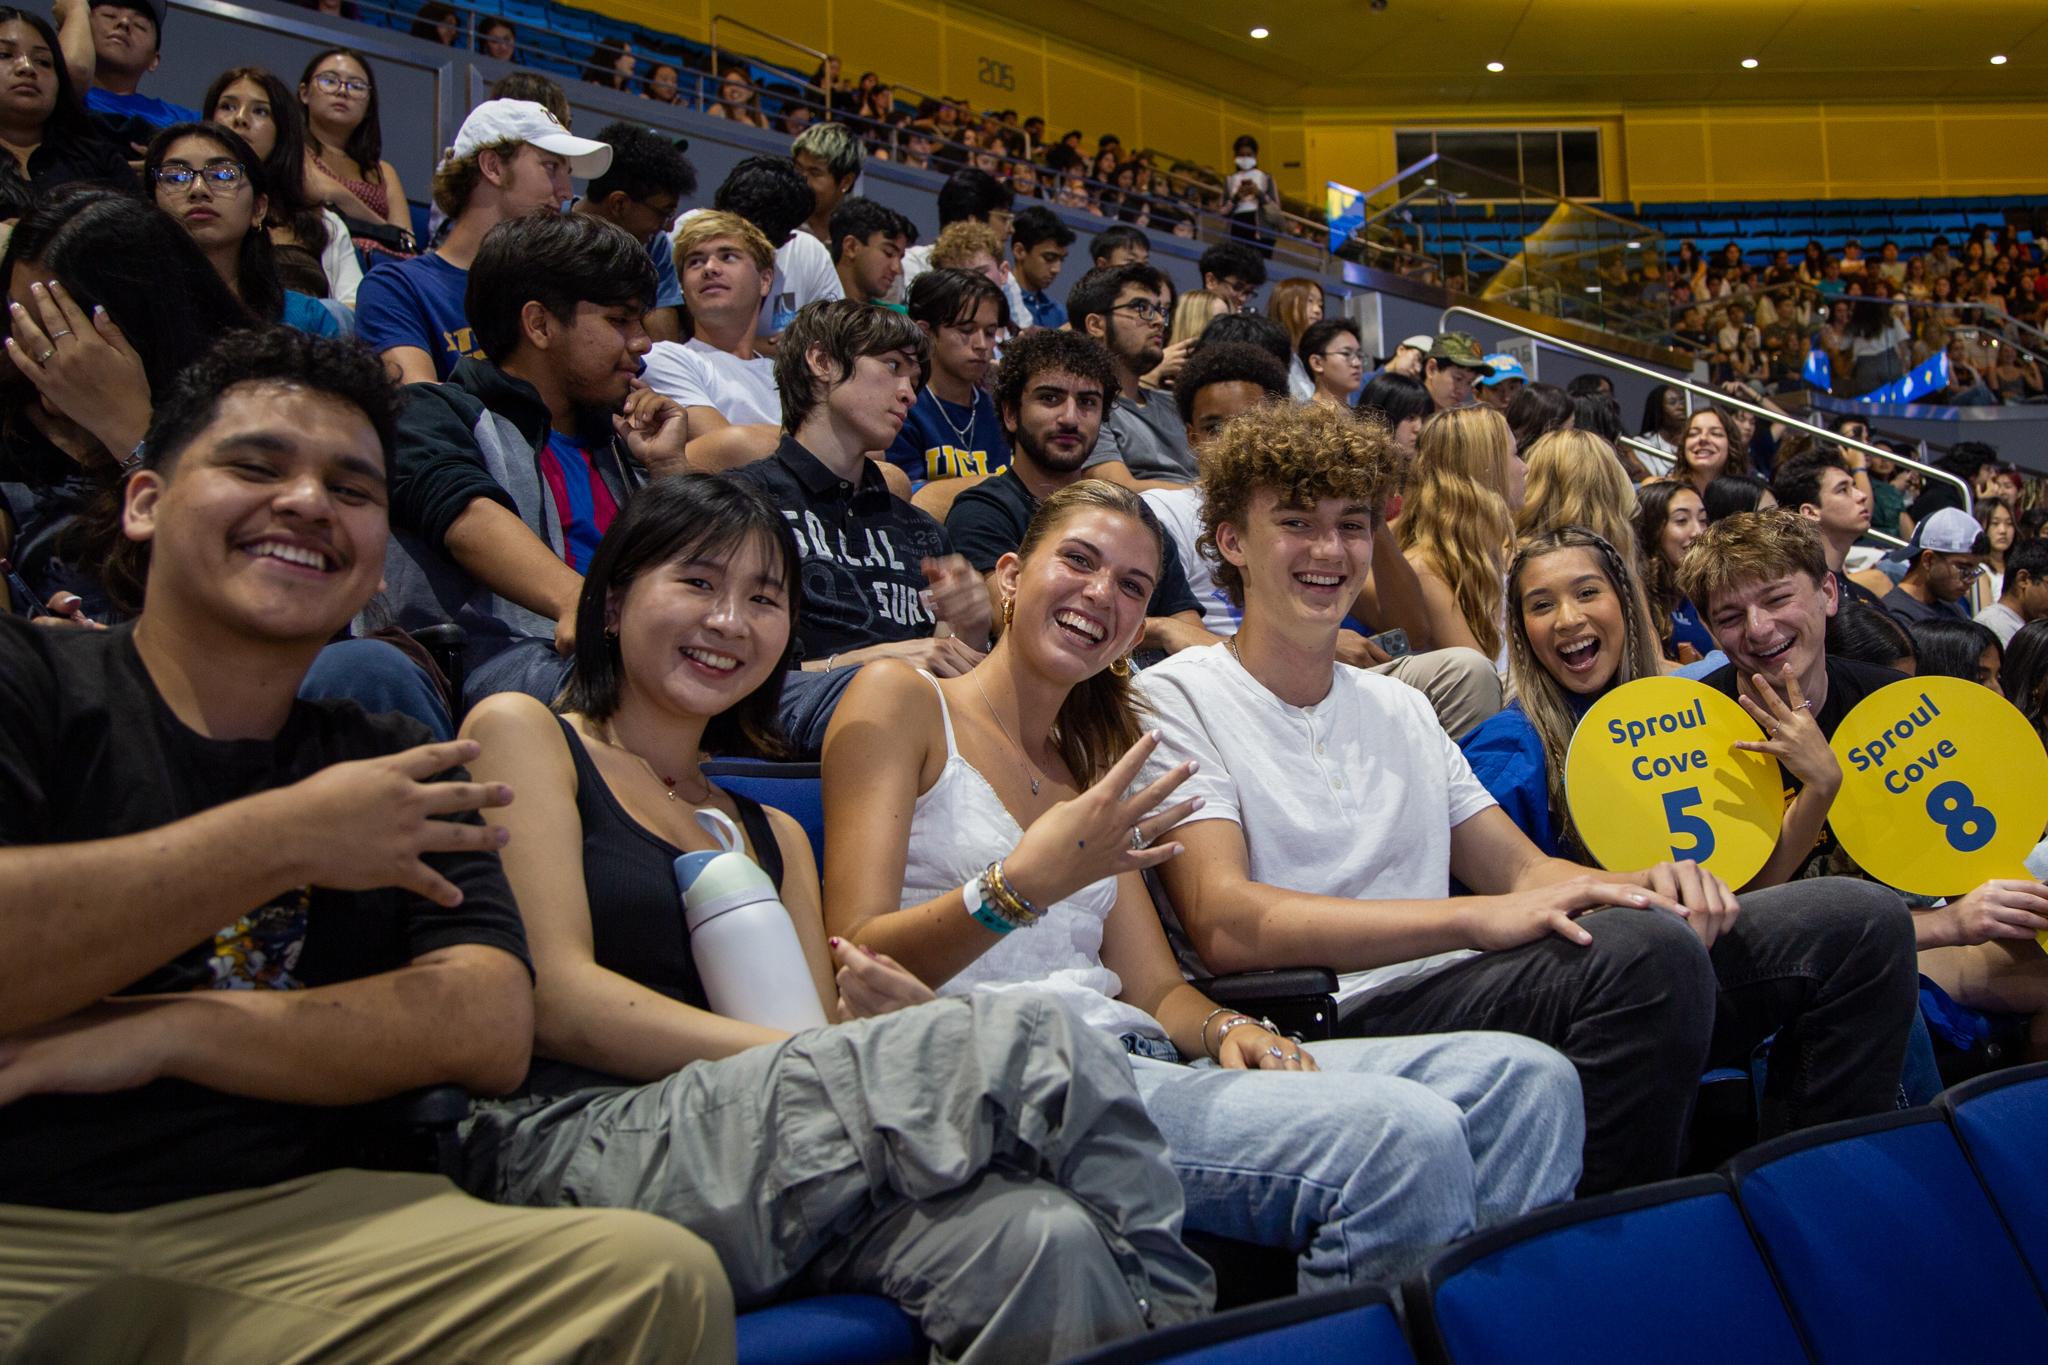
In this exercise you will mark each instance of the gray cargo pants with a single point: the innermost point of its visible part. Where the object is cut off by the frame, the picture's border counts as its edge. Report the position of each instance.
(985, 1162)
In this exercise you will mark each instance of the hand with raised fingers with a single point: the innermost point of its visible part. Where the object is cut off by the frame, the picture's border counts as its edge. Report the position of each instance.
(1105, 831)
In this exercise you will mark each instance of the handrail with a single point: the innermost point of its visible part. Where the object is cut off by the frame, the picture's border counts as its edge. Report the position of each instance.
(1717, 398)
(717, 72)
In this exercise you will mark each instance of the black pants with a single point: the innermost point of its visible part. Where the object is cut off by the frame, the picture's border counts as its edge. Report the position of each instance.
(1828, 965)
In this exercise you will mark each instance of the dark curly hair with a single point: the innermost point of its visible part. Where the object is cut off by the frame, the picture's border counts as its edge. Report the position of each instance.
(1041, 351)
(1227, 362)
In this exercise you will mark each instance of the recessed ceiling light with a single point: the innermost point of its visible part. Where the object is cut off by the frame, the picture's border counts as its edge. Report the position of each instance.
(1998, 60)
(1749, 63)
(1260, 32)
(1635, 246)
(1496, 66)
(1592, 289)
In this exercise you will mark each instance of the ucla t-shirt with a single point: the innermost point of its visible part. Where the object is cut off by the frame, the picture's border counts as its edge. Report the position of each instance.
(582, 501)
(417, 303)
(946, 440)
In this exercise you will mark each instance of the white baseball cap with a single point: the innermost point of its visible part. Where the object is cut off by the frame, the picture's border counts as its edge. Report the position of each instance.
(1950, 531)
(499, 121)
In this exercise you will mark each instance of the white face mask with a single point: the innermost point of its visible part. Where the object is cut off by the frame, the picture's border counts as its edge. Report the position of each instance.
(1245, 163)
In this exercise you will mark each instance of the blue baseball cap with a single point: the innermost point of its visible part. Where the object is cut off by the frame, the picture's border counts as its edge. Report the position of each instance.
(1504, 367)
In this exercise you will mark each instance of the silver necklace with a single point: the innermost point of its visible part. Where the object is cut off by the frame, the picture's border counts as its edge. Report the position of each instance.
(964, 438)
(1023, 758)
(668, 783)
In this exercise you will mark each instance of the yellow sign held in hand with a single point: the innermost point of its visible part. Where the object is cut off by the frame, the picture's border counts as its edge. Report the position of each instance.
(1944, 786)
(1653, 773)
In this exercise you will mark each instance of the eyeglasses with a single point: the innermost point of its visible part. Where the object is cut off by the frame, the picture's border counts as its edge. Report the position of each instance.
(334, 84)
(1347, 353)
(1145, 310)
(222, 175)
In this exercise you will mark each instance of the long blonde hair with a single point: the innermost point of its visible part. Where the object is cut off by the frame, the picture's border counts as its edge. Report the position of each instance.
(1575, 480)
(1288, 305)
(1457, 512)
(1098, 721)
(1195, 311)
(1542, 698)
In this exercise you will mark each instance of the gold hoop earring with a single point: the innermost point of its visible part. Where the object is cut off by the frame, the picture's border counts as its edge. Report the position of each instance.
(1121, 668)
(1009, 611)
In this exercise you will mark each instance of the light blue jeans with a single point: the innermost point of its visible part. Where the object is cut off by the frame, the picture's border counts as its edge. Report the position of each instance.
(1395, 1148)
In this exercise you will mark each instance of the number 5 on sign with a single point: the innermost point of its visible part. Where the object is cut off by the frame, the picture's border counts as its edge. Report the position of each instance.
(1653, 773)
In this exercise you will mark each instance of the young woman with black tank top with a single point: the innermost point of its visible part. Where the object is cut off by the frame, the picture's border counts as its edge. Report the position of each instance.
(974, 1160)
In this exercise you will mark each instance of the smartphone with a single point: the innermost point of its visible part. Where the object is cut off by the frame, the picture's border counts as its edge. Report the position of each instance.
(1393, 643)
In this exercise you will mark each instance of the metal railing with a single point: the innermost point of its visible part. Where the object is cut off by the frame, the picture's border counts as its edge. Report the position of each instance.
(1714, 396)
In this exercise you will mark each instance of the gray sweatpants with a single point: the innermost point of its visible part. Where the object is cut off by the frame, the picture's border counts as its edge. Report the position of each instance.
(985, 1162)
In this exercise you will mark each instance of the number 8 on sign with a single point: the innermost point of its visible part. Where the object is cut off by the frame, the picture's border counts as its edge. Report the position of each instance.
(1968, 825)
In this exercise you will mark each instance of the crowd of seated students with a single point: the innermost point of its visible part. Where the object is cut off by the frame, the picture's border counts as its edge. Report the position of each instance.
(1055, 604)
(1874, 318)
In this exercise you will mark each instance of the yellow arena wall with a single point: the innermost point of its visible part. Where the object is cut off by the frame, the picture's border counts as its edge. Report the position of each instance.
(1658, 152)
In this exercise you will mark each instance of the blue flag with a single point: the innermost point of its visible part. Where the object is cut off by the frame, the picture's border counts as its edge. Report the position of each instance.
(1817, 372)
(1918, 382)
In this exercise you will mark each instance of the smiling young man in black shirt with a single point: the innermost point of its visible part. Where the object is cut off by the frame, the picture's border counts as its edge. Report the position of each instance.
(880, 578)
(231, 921)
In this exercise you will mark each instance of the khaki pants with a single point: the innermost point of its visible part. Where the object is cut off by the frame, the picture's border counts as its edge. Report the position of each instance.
(1460, 684)
(356, 1266)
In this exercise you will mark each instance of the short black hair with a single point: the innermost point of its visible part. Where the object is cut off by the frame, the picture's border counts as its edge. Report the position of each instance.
(860, 218)
(1797, 481)
(845, 331)
(949, 295)
(1320, 334)
(2029, 557)
(1255, 328)
(769, 192)
(1583, 385)
(1394, 398)
(1044, 350)
(970, 194)
(1106, 139)
(1039, 224)
(1733, 494)
(557, 259)
(1116, 238)
(1094, 294)
(1868, 634)
(345, 370)
(1227, 362)
(704, 516)
(1226, 259)
(643, 163)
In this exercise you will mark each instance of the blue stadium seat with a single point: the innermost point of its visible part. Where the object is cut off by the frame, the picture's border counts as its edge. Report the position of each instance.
(835, 1329)
(1886, 1246)
(1663, 1273)
(793, 788)
(1357, 1326)
(2000, 1119)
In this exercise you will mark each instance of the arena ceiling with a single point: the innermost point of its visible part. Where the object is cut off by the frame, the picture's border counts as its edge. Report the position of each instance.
(1347, 53)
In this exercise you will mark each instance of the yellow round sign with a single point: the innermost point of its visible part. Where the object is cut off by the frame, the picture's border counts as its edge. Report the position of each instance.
(1653, 773)
(1944, 786)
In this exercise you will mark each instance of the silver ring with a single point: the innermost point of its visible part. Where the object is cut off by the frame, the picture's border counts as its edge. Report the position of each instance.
(1806, 705)
(44, 358)
(60, 332)
(1277, 1052)
(1137, 840)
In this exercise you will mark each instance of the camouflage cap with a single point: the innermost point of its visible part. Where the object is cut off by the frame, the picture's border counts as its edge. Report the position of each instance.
(1458, 348)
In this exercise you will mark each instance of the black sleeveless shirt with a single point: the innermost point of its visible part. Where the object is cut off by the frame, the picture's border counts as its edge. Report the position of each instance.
(636, 914)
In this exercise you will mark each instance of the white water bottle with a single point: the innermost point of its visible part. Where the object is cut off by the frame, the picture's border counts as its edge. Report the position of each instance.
(741, 937)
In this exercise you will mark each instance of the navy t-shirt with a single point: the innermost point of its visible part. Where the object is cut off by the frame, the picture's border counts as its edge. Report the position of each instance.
(419, 303)
(945, 440)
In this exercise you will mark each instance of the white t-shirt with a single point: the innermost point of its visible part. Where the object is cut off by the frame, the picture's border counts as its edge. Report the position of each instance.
(2002, 620)
(1180, 514)
(1355, 796)
(804, 274)
(697, 375)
